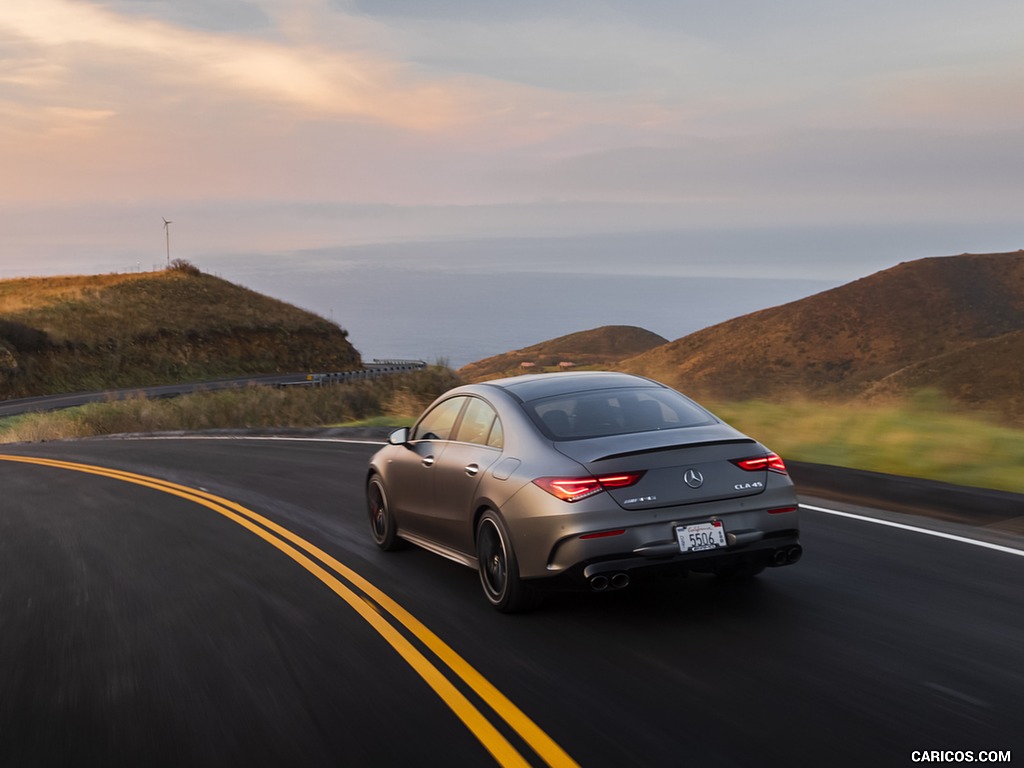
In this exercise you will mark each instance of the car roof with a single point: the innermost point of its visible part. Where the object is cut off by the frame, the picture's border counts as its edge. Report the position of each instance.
(535, 386)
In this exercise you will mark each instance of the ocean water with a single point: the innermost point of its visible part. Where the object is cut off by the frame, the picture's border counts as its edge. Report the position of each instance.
(459, 318)
(464, 300)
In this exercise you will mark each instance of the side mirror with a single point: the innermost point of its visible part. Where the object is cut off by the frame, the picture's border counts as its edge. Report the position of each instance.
(399, 437)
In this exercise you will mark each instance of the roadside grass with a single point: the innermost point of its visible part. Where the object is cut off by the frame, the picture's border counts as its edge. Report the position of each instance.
(388, 400)
(379, 421)
(923, 437)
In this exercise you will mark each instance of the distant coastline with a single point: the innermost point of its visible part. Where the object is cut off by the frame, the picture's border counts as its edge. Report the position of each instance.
(435, 315)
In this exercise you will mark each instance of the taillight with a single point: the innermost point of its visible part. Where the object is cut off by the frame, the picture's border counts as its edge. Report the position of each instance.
(772, 462)
(569, 488)
(576, 488)
(623, 480)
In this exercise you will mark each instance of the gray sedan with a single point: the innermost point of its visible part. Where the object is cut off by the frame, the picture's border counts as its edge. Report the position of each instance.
(580, 480)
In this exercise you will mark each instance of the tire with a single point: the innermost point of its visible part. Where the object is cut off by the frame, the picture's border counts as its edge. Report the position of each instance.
(382, 523)
(499, 569)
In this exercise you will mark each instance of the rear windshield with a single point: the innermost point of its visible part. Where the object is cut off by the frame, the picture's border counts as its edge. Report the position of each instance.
(615, 412)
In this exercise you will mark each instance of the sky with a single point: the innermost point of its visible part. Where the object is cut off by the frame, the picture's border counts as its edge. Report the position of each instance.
(267, 130)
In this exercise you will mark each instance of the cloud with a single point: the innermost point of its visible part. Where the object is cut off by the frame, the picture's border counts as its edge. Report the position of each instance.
(92, 101)
(318, 82)
(802, 104)
(801, 175)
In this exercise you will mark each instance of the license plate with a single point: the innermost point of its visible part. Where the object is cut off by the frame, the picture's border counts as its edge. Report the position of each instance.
(701, 536)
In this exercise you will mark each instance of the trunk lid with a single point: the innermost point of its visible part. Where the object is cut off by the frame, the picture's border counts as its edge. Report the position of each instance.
(681, 466)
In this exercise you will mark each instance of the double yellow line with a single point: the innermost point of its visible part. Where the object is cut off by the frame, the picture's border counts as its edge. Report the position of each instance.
(372, 605)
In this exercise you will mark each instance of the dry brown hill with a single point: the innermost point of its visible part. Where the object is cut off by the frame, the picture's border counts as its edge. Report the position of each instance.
(988, 375)
(603, 347)
(953, 323)
(65, 334)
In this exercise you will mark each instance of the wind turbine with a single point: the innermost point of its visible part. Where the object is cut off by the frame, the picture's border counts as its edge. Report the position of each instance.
(167, 232)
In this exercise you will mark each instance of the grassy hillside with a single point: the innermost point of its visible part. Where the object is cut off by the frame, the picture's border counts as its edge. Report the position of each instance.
(987, 375)
(912, 371)
(951, 323)
(65, 334)
(912, 438)
(602, 347)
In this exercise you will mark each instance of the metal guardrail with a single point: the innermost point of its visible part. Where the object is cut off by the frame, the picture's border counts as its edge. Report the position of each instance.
(369, 371)
(415, 364)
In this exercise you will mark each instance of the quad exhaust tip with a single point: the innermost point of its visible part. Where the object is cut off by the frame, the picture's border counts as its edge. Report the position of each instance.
(787, 555)
(600, 582)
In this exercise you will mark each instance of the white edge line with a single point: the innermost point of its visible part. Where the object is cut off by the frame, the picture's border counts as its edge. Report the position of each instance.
(915, 529)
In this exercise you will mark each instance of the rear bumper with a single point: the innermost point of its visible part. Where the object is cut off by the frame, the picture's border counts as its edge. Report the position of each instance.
(552, 538)
(776, 549)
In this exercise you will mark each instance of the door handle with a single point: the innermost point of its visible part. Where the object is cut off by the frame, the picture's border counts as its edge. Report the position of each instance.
(472, 469)
(428, 461)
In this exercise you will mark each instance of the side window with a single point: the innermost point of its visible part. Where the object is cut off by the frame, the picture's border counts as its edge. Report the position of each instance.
(479, 423)
(437, 423)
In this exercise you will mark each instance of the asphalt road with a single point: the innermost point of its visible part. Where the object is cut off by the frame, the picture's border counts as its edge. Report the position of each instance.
(223, 605)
